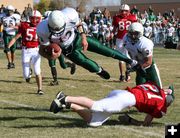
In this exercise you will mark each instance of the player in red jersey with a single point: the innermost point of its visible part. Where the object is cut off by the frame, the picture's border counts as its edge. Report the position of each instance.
(121, 23)
(30, 48)
(148, 98)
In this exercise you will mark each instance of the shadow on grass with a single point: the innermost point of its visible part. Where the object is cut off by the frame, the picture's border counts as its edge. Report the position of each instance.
(11, 81)
(62, 120)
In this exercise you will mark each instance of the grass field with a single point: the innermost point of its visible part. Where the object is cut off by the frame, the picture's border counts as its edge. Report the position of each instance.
(25, 114)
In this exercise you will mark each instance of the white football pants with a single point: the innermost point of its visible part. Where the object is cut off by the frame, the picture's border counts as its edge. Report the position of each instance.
(31, 56)
(114, 102)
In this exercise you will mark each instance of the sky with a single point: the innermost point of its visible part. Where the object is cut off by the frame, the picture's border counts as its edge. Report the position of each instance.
(36, 1)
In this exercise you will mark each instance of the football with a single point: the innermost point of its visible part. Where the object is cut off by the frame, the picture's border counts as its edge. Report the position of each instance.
(48, 49)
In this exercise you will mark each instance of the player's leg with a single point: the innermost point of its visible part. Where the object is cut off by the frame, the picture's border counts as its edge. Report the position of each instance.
(65, 65)
(80, 59)
(140, 79)
(154, 75)
(36, 61)
(25, 59)
(52, 65)
(120, 48)
(13, 49)
(6, 50)
(97, 47)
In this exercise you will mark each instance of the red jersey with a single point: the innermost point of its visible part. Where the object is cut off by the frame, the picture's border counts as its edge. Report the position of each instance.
(122, 23)
(29, 35)
(150, 99)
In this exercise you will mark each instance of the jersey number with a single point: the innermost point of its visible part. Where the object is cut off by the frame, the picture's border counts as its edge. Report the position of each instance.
(124, 25)
(31, 35)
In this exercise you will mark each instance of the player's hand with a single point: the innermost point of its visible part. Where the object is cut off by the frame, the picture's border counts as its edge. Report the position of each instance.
(6, 49)
(84, 42)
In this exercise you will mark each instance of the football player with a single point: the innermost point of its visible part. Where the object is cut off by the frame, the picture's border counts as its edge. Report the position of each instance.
(148, 98)
(30, 48)
(10, 27)
(140, 48)
(121, 22)
(65, 28)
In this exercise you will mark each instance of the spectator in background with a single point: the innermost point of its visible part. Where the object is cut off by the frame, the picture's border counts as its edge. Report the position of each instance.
(3, 9)
(29, 10)
(106, 13)
(134, 10)
(16, 11)
(25, 16)
(92, 16)
(147, 29)
(94, 29)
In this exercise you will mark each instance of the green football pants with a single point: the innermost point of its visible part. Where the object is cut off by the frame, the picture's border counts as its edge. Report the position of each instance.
(52, 62)
(7, 39)
(94, 46)
(152, 74)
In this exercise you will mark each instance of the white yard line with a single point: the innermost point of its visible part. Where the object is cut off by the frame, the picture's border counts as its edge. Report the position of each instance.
(139, 133)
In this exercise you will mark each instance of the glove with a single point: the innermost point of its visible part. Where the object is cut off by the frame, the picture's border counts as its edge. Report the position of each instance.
(6, 50)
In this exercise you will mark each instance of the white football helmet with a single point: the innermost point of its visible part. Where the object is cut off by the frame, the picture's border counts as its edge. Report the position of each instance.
(35, 17)
(10, 8)
(135, 31)
(124, 10)
(56, 22)
(124, 7)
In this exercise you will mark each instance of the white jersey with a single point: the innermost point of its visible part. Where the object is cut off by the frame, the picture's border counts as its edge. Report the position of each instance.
(140, 50)
(147, 31)
(68, 36)
(8, 24)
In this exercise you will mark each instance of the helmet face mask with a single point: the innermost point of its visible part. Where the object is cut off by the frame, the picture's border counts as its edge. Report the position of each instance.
(56, 22)
(35, 18)
(135, 31)
(57, 30)
(134, 36)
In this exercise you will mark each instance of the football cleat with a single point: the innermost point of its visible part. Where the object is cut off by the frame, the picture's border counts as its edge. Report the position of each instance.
(10, 65)
(58, 104)
(40, 92)
(121, 78)
(104, 74)
(73, 68)
(28, 80)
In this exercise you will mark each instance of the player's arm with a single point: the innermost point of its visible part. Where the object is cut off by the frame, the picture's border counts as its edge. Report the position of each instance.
(14, 40)
(82, 32)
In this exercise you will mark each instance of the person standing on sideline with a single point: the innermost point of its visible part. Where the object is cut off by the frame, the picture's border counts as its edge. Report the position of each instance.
(121, 23)
(30, 48)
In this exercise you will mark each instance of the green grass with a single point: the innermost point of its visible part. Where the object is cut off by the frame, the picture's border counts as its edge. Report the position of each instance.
(25, 114)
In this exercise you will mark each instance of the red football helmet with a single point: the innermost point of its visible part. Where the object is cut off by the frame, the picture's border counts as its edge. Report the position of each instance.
(35, 18)
(124, 10)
